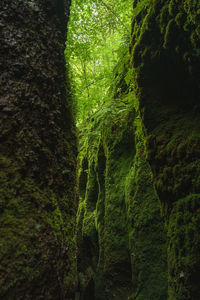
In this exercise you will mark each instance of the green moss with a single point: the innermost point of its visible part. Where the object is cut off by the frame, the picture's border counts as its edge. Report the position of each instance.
(166, 63)
(180, 19)
(89, 228)
(36, 235)
(183, 246)
(118, 205)
(146, 228)
(173, 7)
(170, 33)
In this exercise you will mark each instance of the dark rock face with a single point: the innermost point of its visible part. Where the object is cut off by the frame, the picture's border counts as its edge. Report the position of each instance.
(38, 152)
(166, 61)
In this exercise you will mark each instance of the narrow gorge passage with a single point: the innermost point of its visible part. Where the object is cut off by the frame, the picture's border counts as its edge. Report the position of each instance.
(121, 241)
(100, 168)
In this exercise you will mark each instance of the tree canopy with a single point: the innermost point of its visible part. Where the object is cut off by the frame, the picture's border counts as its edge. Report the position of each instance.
(96, 34)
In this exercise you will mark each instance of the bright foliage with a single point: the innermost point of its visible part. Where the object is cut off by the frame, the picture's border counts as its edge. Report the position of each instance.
(96, 31)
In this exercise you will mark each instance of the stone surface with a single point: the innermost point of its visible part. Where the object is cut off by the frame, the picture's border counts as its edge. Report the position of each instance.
(166, 60)
(38, 152)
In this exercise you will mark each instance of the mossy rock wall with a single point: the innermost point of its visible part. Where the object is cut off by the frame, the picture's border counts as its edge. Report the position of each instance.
(38, 152)
(165, 54)
(120, 233)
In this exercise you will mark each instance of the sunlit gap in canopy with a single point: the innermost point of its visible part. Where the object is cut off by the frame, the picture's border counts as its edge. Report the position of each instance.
(97, 33)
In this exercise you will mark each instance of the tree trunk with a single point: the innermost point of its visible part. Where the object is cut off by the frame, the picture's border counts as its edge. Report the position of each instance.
(38, 152)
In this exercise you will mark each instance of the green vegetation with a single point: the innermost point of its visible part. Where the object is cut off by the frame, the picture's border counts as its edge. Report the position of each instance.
(120, 233)
(139, 148)
(133, 69)
(96, 31)
(166, 62)
(121, 238)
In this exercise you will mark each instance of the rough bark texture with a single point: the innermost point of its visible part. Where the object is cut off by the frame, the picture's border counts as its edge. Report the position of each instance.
(38, 149)
(166, 60)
